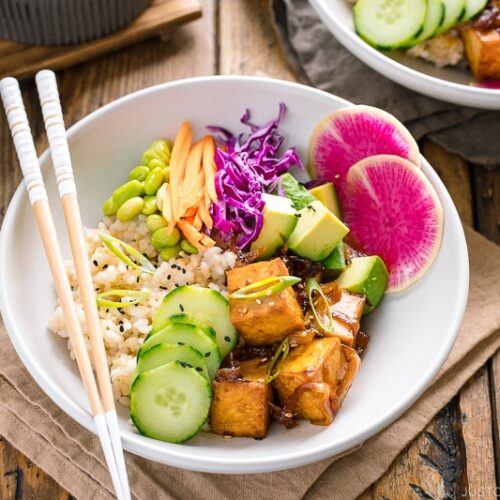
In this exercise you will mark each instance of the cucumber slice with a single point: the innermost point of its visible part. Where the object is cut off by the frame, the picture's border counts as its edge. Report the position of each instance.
(433, 20)
(473, 8)
(204, 304)
(389, 24)
(185, 318)
(170, 403)
(184, 334)
(453, 12)
(161, 354)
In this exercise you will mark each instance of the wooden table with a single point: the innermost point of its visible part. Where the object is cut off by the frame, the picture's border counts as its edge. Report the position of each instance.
(454, 457)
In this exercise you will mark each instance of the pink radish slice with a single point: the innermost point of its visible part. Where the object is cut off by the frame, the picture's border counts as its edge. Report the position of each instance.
(394, 212)
(347, 136)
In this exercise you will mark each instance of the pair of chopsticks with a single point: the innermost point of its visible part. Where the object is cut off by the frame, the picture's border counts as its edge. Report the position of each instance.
(100, 394)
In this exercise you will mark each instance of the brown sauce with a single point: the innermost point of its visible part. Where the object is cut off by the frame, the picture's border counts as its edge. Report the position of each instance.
(489, 19)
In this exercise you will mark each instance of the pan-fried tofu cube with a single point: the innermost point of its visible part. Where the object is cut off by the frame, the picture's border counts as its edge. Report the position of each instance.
(320, 365)
(241, 406)
(266, 320)
(483, 52)
(346, 313)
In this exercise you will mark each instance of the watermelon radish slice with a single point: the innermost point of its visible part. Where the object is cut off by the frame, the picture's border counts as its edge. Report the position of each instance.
(350, 134)
(394, 212)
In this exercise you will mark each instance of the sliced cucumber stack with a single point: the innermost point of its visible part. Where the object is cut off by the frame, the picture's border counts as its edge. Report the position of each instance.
(162, 354)
(453, 12)
(171, 402)
(389, 24)
(473, 8)
(207, 306)
(433, 19)
(185, 318)
(186, 334)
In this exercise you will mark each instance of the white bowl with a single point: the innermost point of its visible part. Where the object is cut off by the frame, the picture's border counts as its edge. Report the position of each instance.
(411, 334)
(448, 84)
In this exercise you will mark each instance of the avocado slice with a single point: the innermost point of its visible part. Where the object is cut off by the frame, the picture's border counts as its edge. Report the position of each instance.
(294, 190)
(335, 263)
(280, 219)
(317, 232)
(365, 275)
(328, 196)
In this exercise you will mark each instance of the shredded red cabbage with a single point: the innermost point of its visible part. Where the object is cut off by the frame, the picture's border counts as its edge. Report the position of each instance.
(248, 165)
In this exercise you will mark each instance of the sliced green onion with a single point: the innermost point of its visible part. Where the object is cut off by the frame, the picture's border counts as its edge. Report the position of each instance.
(137, 296)
(313, 287)
(118, 247)
(277, 360)
(264, 287)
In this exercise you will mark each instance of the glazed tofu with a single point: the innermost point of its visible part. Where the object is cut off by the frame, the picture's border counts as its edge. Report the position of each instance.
(241, 407)
(321, 365)
(267, 320)
(346, 311)
(483, 52)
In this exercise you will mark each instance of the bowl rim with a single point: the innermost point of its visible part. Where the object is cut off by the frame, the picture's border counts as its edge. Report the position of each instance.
(181, 455)
(456, 93)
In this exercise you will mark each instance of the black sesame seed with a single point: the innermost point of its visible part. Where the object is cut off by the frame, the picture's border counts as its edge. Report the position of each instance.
(183, 271)
(298, 215)
(105, 266)
(122, 329)
(207, 354)
(181, 343)
(169, 277)
(183, 364)
(199, 369)
(107, 310)
(95, 263)
(257, 438)
(138, 279)
(163, 288)
(189, 365)
(120, 322)
(227, 338)
(177, 285)
(181, 307)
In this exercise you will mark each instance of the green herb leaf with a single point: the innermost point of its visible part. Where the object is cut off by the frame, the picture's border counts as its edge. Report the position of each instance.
(119, 247)
(265, 287)
(314, 288)
(277, 360)
(137, 296)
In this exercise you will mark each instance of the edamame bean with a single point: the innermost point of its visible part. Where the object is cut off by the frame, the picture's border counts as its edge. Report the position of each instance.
(149, 205)
(153, 181)
(188, 247)
(130, 209)
(162, 237)
(138, 173)
(109, 208)
(155, 163)
(155, 222)
(130, 189)
(170, 253)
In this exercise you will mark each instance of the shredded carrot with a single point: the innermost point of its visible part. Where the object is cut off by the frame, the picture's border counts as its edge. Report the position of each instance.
(209, 166)
(185, 201)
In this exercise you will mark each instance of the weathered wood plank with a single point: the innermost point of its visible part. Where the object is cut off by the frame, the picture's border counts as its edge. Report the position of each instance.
(454, 172)
(429, 468)
(21, 479)
(476, 430)
(494, 372)
(248, 45)
(487, 202)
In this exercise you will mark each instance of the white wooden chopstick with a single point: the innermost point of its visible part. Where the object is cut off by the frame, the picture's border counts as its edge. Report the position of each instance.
(61, 160)
(28, 160)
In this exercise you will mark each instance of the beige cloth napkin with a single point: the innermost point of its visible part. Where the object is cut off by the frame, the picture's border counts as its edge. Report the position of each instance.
(69, 453)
